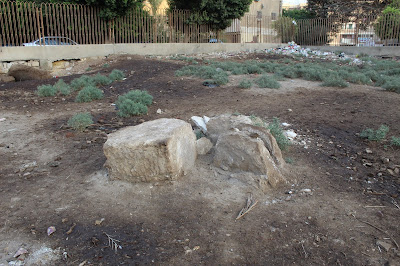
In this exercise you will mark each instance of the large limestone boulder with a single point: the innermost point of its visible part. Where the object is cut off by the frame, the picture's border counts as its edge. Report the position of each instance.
(219, 125)
(245, 152)
(23, 72)
(157, 150)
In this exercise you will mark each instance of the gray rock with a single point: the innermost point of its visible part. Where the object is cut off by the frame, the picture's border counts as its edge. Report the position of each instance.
(238, 151)
(386, 246)
(224, 123)
(157, 150)
(203, 146)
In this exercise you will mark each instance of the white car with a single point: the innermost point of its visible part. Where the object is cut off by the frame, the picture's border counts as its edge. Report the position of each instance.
(51, 40)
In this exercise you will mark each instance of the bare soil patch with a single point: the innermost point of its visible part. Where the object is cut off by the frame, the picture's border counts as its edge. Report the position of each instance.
(192, 221)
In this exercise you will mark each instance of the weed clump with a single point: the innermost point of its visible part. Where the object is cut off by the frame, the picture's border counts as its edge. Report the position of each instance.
(373, 135)
(334, 81)
(277, 132)
(88, 94)
(116, 75)
(266, 81)
(80, 121)
(62, 87)
(81, 82)
(46, 90)
(245, 84)
(134, 102)
(395, 141)
(101, 80)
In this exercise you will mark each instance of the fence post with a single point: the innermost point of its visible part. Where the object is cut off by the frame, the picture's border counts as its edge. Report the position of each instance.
(39, 20)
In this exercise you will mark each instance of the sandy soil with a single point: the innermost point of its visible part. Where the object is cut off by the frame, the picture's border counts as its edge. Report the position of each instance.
(192, 221)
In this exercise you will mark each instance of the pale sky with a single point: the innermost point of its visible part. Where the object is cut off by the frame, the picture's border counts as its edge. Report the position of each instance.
(294, 2)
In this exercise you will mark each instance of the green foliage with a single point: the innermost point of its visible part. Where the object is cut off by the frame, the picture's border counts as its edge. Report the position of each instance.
(82, 81)
(266, 81)
(218, 14)
(245, 84)
(392, 84)
(395, 141)
(220, 78)
(387, 24)
(375, 135)
(106, 65)
(334, 81)
(289, 160)
(88, 94)
(298, 14)
(134, 102)
(62, 87)
(276, 130)
(217, 75)
(359, 78)
(80, 121)
(184, 58)
(116, 75)
(101, 80)
(254, 69)
(46, 90)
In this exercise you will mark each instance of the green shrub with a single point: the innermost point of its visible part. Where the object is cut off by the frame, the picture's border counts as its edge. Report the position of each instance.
(277, 132)
(134, 102)
(245, 84)
(239, 71)
(101, 80)
(82, 81)
(373, 135)
(128, 108)
(266, 81)
(334, 81)
(62, 87)
(391, 84)
(359, 78)
(106, 65)
(139, 96)
(46, 90)
(254, 69)
(116, 75)
(80, 121)
(395, 141)
(220, 78)
(89, 94)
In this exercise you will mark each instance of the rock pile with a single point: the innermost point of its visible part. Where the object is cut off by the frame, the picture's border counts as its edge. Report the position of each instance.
(164, 149)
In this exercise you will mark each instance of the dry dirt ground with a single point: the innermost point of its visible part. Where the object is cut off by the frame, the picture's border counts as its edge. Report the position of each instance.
(353, 203)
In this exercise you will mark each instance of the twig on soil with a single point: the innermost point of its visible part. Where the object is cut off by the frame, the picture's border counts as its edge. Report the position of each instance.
(249, 206)
(71, 229)
(113, 243)
(395, 204)
(374, 206)
(365, 254)
(385, 232)
(304, 250)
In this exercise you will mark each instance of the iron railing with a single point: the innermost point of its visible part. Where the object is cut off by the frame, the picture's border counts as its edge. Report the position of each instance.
(26, 22)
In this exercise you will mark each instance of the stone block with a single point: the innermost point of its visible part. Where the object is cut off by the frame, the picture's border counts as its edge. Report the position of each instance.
(241, 151)
(203, 146)
(158, 150)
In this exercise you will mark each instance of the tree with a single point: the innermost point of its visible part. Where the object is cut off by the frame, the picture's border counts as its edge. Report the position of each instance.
(218, 13)
(388, 24)
(298, 14)
(110, 9)
(346, 8)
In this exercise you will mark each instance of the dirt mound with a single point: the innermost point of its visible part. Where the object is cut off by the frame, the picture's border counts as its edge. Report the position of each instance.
(22, 72)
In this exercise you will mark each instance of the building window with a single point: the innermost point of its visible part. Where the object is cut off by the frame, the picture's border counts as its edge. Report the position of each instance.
(259, 14)
(350, 26)
(273, 16)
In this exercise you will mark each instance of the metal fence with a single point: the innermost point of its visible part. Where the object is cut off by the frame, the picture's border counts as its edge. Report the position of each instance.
(26, 22)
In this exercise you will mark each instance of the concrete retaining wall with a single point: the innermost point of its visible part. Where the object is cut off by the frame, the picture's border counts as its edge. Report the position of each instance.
(383, 51)
(55, 53)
